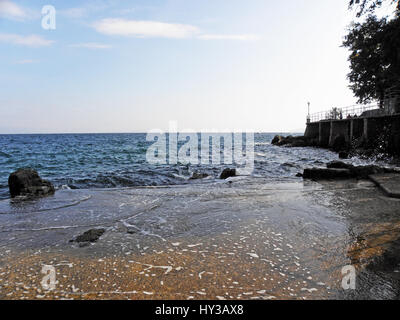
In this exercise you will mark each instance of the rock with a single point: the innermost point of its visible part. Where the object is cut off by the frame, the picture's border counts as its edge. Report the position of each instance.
(196, 176)
(339, 165)
(89, 236)
(343, 155)
(326, 174)
(276, 140)
(299, 175)
(132, 230)
(27, 182)
(290, 141)
(227, 173)
(360, 172)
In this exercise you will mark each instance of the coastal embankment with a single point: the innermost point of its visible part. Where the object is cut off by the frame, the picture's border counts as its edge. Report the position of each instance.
(374, 133)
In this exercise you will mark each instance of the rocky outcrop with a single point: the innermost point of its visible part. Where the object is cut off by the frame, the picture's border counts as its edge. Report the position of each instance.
(27, 182)
(341, 170)
(360, 172)
(228, 173)
(326, 174)
(291, 141)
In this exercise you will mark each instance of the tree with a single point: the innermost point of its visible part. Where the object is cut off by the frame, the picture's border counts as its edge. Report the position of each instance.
(374, 57)
(367, 76)
(369, 6)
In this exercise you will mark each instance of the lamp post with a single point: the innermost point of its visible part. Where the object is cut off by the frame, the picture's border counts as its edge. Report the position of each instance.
(308, 116)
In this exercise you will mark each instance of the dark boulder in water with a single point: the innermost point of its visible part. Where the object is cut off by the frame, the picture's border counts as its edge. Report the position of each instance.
(228, 173)
(91, 235)
(277, 139)
(341, 170)
(339, 165)
(361, 172)
(27, 182)
(290, 141)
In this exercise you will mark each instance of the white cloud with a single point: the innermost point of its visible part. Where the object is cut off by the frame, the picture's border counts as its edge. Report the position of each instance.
(240, 37)
(29, 41)
(12, 11)
(155, 29)
(145, 29)
(91, 45)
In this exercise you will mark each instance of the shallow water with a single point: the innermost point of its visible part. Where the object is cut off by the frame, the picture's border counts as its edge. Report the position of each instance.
(239, 239)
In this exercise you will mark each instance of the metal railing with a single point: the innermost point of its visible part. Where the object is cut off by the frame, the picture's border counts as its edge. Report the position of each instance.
(354, 111)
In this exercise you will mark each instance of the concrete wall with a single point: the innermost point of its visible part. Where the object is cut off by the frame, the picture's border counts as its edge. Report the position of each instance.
(395, 137)
(356, 129)
(339, 128)
(375, 132)
(324, 133)
(312, 130)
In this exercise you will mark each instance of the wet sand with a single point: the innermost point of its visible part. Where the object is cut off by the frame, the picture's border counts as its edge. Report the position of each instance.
(244, 239)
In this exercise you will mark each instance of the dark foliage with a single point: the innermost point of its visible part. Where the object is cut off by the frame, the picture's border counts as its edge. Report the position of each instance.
(374, 57)
(369, 6)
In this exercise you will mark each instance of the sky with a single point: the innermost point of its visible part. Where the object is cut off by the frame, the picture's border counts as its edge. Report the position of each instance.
(135, 66)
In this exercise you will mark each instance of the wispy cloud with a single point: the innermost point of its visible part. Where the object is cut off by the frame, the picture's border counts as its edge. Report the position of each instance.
(74, 13)
(10, 10)
(90, 45)
(29, 41)
(156, 29)
(145, 29)
(88, 8)
(239, 37)
(26, 61)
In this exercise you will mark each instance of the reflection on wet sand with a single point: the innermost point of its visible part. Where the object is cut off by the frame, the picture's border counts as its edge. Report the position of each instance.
(240, 240)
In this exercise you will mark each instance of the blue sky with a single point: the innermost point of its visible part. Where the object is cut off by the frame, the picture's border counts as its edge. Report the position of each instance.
(134, 66)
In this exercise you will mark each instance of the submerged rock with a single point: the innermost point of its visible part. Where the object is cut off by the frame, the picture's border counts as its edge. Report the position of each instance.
(91, 235)
(197, 176)
(227, 173)
(27, 182)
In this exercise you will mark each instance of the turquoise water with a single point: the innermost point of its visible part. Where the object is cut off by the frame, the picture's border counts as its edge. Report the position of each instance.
(87, 161)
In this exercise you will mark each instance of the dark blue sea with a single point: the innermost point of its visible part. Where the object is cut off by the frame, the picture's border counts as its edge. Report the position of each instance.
(85, 161)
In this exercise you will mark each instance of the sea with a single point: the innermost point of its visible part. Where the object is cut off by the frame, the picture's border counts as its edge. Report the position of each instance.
(88, 161)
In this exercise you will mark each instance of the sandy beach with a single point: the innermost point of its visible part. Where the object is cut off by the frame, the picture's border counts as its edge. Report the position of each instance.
(239, 239)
